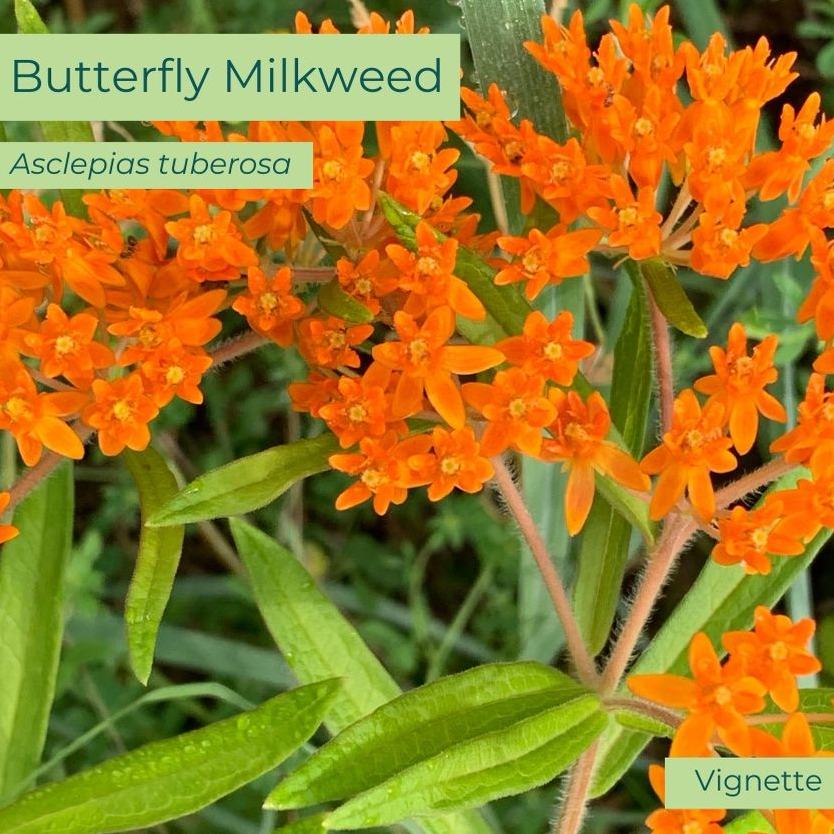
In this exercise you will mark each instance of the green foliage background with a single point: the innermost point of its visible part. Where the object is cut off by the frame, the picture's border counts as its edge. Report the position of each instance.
(432, 589)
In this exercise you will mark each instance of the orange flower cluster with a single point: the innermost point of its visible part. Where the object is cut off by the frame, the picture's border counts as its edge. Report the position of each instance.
(725, 705)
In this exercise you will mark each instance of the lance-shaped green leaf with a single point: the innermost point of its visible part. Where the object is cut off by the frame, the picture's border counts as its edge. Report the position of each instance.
(422, 723)
(334, 300)
(156, 562)
(168, 779)
(505, 762)
(29, 22)
(721, 599)
(633, 720)
(505, 304)
(308, 825)
(317, 642)
(607, 533)
(246, 484)
(672, 299)
(752, 823)
(32, 575)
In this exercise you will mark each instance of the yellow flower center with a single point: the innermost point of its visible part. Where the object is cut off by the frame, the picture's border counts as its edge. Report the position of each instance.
(692, 827)
(267, 302)
(364, 286)
(693, 439)
(357, 413)
(561, 170)
(336, 340)
(205, 234)
(778, 651)
(576, 433)
(44, 234)
(806, 132)
(122, 411)
(419, 161)
(517, 408)
(716, 157)
(595, 76)
(373, 479)
(743, 367)
(628, 216)
(728, 237)
(18, 408)
(531, 262)
(333, 169)
(428, 266)
(713, 70)
(450, 465)
(417, 350)
(436, 203)
(552, 351)
(148, 337)
(514, 151)
(723, 696)
(759, 538)
(174, 375)
(643, 127)
(828, 200)
(64, 345)
(483, 119)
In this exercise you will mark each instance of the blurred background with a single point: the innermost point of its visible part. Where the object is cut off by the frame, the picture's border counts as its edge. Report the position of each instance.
(432, 588)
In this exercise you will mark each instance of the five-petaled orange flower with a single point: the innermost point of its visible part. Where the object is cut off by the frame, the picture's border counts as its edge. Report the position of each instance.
(7, 531)
(120, 413)
(739, 384)
(775, 652)
(427, 363)
(694, 446)
(578, 441)
(716, 697)
(269, 304)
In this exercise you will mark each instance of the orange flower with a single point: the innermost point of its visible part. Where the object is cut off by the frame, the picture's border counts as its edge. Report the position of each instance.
(516, 408)
(382, 469)
(175, 370)
(810, 505)
(366, 281)
(428, 276)
(313, 394)
(360, 407)
(664, 821)
(776, 172)
(546, 348)
(15, 312)
(719, 246)
(633, 223)
(694, 447)
(339, 174)
(819, 304)
(816, 424)
(579, 433)
(7, 531)
(775, 652)
(330, 342)
(419, 168)
(547, 259)
(120, 413)
(269, 305)
(67, 347)
(738, 384)
(34, 419)
(427, 364)
(210, 247)
(716, 697)
(748, 536)
(456, 461)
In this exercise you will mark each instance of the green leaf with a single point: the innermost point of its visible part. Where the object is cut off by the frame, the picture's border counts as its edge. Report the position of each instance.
(812, 701)
(607, 533)
(721, 599)
(505, 304)
(156, 562)
(317, 641)
(29, 22)
(246, 484)
(334, 300)
(331, 246)
(671, 298)
(308, 825)
(32, 576)
(751, 823)
(642, 723)
(168, 779)
(422, 723)
(505, 762)
(632, 508)
(497, 30)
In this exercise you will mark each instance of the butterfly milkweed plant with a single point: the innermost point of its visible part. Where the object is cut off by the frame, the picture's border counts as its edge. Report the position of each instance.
(615, 372)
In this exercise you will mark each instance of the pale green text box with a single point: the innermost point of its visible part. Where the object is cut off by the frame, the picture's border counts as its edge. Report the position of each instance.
(750, 784)
(385, 77)
(94, 165)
